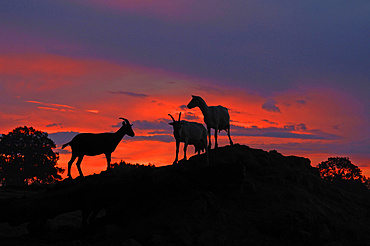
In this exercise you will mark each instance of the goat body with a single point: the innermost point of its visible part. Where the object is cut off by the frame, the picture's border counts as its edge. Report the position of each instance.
(82, 143)
(92, 144)
(189, 133)
(216, 117)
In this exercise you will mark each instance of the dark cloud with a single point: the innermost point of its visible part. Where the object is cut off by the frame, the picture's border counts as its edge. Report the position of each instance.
(55, 124)
(128, 93)
(160, 132)
(233, 111)
(287, 131)
(276, 49)
(270, 122)
(357, 148)
(160, 124)
(303, 102)
(191, 117)
(299, 127)
(166, 138)
(270, 106)
(62, 137)
(336, 127)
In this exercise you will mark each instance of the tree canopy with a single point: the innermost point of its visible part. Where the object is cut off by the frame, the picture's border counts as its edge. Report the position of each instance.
(27, 156)
(340, 168)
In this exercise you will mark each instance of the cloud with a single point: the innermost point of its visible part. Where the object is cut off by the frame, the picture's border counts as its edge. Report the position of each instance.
(166, 138)
(62, 137)
(336, 127)
(233, 111)
(128, 93)
(159, 125)
(190, 117)
(287, 131)
(299, 127)
(303, 102)
(95, 111)
(323, 149)
(55, 124)
(53, 106)
(178, 11)
(270, 106)
(270, 122)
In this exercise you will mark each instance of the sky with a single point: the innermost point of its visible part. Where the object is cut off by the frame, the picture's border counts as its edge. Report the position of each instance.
(295, 75)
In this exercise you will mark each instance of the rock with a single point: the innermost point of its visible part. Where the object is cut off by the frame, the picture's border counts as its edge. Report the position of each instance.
(202, 204)
(334, 244)
(184, 237)
(130, 242)
(212, 238)
(156, 240)
(323, 233)
(40, 227)
(198, 208)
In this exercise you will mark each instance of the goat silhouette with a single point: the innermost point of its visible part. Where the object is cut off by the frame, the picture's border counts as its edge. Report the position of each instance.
(92, 144)
(216, 117)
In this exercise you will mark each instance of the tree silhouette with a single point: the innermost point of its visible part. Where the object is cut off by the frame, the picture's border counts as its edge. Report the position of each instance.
(339, 168)
(26, 157)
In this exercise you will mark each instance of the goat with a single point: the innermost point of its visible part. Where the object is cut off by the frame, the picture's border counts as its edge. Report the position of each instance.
(95, 144)
(189, 133)
(216, 117)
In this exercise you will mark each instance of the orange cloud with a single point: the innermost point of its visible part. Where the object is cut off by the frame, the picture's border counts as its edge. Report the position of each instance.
(92, 111)
(52, 92)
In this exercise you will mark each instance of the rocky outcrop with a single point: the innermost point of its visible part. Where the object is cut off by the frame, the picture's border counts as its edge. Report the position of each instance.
(244, 197)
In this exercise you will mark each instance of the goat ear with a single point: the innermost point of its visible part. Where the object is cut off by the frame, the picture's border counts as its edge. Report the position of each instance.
(171, 123)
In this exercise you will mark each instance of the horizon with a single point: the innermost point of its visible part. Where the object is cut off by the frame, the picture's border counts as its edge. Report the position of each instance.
(292, 74)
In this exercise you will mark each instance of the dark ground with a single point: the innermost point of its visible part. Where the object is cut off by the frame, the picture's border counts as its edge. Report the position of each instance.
(244, 197)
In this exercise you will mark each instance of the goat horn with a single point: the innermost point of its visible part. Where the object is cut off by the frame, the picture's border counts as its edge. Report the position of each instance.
(125, 120)
(172, 117)
(179, 116)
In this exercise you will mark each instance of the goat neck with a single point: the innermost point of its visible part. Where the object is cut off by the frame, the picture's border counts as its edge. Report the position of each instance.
(121, 132)
(203, 107)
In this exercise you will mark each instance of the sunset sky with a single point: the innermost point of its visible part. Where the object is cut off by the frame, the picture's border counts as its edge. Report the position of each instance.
(295, 75)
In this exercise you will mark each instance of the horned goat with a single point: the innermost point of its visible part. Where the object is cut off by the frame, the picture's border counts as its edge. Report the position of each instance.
(216, 117)
(95, 144)
(189, 133)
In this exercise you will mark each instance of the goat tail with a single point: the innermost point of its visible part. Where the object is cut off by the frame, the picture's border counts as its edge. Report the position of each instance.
(65, 145)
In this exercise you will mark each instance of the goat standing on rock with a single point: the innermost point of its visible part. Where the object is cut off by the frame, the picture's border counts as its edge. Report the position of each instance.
(189, 133)
(216, 117)
(95, 144)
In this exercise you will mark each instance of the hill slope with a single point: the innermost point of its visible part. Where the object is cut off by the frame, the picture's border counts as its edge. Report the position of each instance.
(245, 197)
(250, 197)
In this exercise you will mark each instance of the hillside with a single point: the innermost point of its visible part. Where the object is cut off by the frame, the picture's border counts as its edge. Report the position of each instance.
(244, 197)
